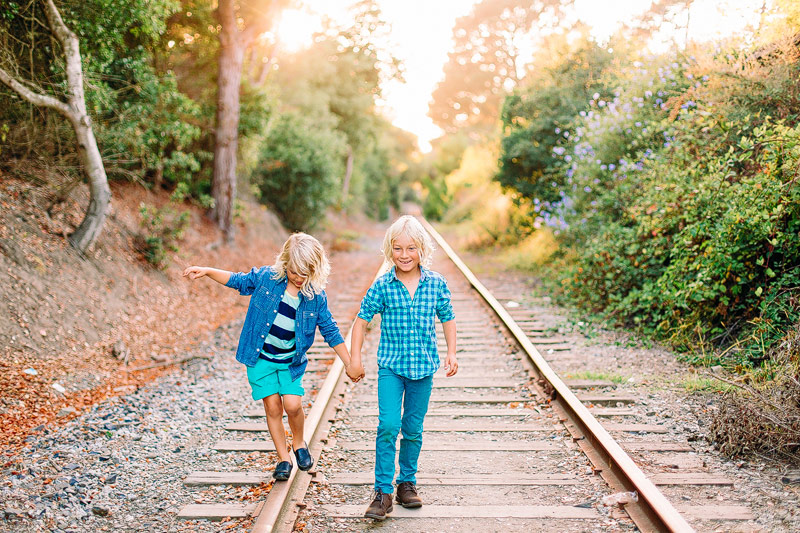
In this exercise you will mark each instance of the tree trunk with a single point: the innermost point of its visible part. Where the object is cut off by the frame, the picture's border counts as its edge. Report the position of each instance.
(227, 135)
(75, 111)
(348, 172)
(99, 192)
(233, 45)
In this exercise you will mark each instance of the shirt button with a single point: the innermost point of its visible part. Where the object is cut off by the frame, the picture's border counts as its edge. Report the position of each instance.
(262, 336)
(276, 310)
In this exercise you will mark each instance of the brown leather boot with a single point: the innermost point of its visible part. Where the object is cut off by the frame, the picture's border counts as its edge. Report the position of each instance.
(407, 495)
(381, 504)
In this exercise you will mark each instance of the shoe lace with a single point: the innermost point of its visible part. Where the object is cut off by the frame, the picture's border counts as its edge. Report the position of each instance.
(410, 487)
(378, 496)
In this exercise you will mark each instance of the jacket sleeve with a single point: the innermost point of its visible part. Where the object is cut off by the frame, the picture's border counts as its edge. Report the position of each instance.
(246, 283)
(327, 324)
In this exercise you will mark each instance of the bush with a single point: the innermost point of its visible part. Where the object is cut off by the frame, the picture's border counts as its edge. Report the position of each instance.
(683, 214)
(163, 228)
(298, 172)
(762, 418)
(436, 199)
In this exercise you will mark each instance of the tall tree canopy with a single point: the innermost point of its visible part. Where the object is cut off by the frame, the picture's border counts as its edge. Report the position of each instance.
(487, 61)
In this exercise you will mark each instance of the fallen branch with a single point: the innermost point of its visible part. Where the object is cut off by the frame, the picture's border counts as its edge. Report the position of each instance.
(167, 363)
(729, 382)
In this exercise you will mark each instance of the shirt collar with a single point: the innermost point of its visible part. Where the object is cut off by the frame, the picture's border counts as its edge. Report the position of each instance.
(423, 273)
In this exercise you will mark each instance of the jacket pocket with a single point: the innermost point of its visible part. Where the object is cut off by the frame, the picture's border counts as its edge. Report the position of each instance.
(263, 298)
(309, 322)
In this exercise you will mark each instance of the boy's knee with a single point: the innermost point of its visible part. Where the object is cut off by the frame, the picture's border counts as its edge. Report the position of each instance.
(273, 406)
(388, 430)
(293, 409)
(412, 435)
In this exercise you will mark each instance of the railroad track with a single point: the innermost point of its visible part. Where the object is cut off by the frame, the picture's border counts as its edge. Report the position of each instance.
(508, 445)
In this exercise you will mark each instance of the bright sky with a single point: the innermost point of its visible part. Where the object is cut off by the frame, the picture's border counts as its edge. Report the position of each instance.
(422, 31)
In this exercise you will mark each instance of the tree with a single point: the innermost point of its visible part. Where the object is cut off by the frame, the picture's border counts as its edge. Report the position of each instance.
(341, 74)
(536, 119)
(297, 174)
(74, 110)
(486, 61)
(235, 38)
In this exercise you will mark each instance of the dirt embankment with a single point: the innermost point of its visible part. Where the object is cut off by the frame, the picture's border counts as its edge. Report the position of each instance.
(62, 314)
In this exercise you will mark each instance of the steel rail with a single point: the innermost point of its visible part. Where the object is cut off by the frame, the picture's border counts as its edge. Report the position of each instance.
(280, 496)
(652, 511)
(281, 493)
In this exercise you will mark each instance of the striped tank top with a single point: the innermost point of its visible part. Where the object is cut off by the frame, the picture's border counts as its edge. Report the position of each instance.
(279, 346)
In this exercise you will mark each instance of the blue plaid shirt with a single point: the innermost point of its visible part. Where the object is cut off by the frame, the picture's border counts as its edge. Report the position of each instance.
(408, 333)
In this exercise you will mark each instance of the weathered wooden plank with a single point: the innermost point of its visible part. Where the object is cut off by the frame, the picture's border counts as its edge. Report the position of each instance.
(544, 340)
(716, 512)
(655, 446)
(689, 478)
(549, 348)
(472, 511)
(462, 412)
(588, 383)
(244, 446)
(217, 511)
(477, 398)
(458, 446)
(368, 478)
(227, 478)
(612, 411)
(456, 382)
(247, 426)
(606, 398)
(467, 425)
(635, 428)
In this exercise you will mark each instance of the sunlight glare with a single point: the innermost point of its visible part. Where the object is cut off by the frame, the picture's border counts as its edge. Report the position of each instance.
(296, 28)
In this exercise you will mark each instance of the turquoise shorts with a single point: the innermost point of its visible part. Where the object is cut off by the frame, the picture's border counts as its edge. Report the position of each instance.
(267, 378)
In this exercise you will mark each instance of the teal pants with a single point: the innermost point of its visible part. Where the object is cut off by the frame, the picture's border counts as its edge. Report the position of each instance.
(402, 405)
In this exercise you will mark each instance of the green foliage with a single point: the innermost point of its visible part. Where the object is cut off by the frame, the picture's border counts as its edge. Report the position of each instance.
(163, 228)
(437, 199)
(537, 119)
(298, 172)
(684, 216)
(155, 132)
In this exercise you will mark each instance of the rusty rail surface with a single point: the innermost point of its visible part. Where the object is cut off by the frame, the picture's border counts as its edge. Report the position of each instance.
(652, 512)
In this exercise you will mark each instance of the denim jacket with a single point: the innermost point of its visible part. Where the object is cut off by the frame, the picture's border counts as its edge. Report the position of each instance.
(266, 295)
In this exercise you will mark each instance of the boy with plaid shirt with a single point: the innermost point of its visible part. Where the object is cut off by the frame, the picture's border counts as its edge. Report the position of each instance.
(408, 297)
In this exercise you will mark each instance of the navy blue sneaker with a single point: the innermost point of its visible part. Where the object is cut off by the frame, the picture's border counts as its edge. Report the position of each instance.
(304, 459)
(282, 471)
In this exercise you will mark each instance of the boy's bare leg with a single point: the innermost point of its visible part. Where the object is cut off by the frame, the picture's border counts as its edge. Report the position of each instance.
(293, 405)
(273, 406)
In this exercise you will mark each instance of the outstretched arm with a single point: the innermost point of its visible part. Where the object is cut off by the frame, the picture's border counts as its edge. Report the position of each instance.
(196, 272)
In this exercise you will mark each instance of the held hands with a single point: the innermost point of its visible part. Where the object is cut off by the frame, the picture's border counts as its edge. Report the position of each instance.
(355, 372)
(195, 272)
(451, 365)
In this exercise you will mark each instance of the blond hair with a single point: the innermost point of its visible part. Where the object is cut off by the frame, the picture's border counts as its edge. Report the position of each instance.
(305, 256)
(410, 226)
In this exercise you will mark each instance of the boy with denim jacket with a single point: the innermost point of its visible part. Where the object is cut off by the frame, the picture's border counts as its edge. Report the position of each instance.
(287, 304)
